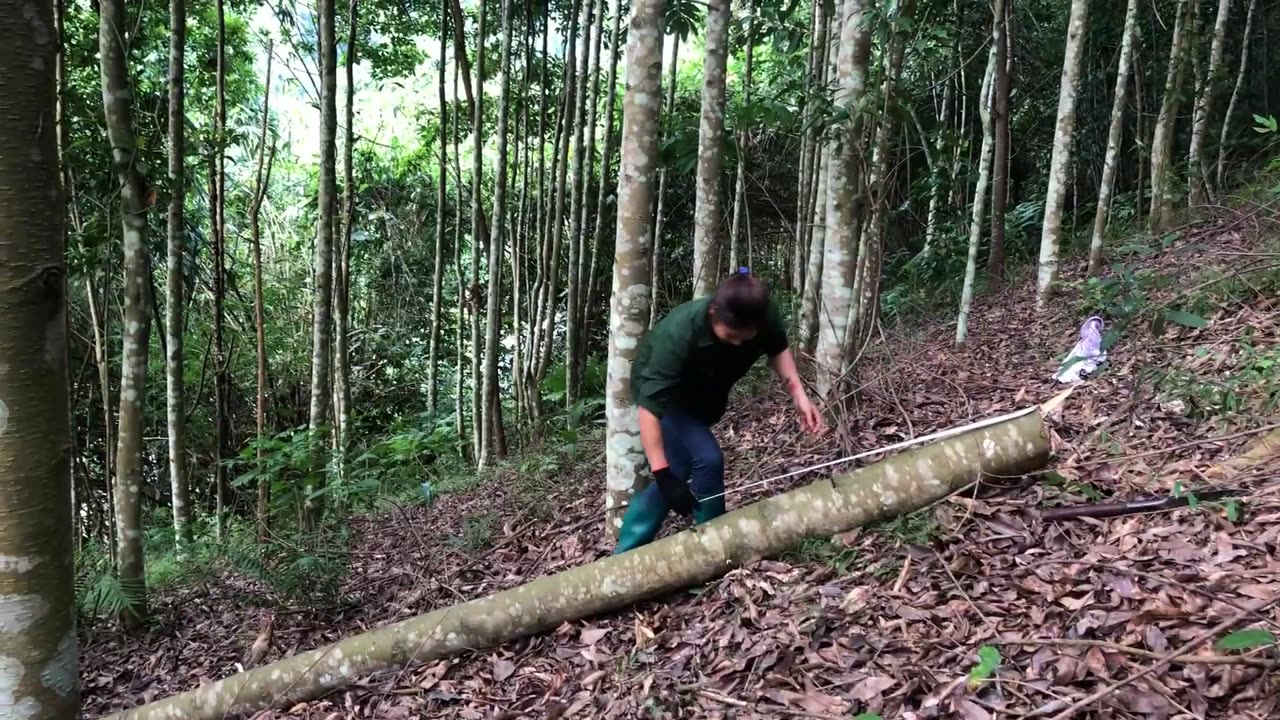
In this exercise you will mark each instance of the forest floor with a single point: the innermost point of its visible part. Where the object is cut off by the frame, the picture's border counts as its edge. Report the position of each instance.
(888, 619)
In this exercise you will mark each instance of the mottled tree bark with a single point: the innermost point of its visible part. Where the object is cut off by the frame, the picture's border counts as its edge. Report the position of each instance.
(497, 238)
(629, 306)
(1008, 446)
(117, 101)
(808, 148)
(1056, 195)
(979, 199)
(1197, 155)
(1246, 36)
(38, 676)
(608, 181)
(817, 246)
(322, 265)
(1111, 161)
(845, 207)
(1162, 136)
(442, 199)
(708, 212)
(174, 302)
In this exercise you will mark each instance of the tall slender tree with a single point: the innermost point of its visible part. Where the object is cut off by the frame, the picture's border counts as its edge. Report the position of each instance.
(1059, 161)
(478, 432)
(116, 99)
(1162, 136)
(740, 182)
(342, 251)
(1000, 142)
(493, 308)
(628, 308)
(262, 182)
(37, 596)
(1197, 155)
(708, 218)
(174, 283)
(222, 369)
(979, 197)
(845, 208)
(660, 213)
(608, 180)
(578, 183)
(322, 263)
(1111, 161)
(1241, 73)
(442, 199)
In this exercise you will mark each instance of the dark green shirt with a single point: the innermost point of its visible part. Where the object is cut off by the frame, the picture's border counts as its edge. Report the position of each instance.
(682, 367)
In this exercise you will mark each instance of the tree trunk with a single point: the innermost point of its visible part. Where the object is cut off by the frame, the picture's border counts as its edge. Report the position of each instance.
(1220, 172)
(478, 431)
(493, 308)
(1197, 155)
(809, 146)
(342, 256)
(845, 207)
(136, 334)
(740, 183)
(38, 671)
(628, 311)
(1114, 135)
(660, 214)
(577, 190)
(709, 203)
(459, 402)
(174, 284)
(222, 382)
(607, 179)
(100, 317)
(1162, 136)
(817, 247)
(437, 275)
(1000, 447)
(979, 198)
(1055, 196)
(550, 288)
(1000, 144)
(864, 317)
(261, 183)
(322, 295)
(937, 180)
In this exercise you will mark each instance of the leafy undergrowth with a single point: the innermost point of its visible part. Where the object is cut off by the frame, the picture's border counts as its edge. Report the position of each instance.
(975, 608)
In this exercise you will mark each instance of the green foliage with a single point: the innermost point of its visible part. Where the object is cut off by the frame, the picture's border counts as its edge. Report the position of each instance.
(1249, 385)
(1248, 639)
(917, 528)
(477, 532)
(988, 663)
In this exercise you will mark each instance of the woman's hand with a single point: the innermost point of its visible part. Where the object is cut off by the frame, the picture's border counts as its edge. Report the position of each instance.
(810, 417)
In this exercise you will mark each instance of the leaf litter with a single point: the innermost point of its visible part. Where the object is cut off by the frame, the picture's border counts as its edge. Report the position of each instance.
(975, 608)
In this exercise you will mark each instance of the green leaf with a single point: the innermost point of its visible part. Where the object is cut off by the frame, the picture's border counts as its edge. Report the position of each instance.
(988, 662)
(1247, 640)
(1233, 510)
(867, 716)
(1183, 317)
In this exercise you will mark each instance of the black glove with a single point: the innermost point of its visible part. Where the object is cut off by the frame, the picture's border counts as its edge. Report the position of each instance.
(675, 491)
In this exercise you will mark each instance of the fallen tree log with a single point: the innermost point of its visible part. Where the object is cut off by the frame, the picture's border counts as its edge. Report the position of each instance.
(900, 484)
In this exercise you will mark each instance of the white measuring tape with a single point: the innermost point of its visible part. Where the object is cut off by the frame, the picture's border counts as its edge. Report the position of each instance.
(941, 434)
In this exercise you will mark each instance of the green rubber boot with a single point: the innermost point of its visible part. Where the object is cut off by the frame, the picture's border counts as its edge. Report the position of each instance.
(708, 510)
(642, 521)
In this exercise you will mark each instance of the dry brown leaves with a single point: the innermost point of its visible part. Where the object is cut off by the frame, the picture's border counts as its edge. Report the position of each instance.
(1072, 607)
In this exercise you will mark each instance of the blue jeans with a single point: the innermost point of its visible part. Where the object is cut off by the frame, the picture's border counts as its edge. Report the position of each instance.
(693, 456)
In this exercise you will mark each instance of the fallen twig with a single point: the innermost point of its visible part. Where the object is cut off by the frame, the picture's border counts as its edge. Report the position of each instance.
(1139, 652)
(1164, 661)
(1131, 507)
(1183, 446)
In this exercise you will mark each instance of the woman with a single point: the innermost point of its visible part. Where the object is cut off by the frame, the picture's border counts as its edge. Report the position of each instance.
(681, 379)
